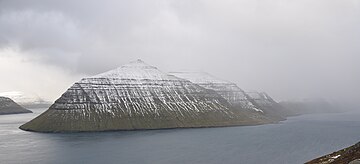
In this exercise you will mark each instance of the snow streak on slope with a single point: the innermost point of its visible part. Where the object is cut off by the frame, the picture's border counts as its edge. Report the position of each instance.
(268, 105)
(261, 98)
(230, 91)
(136, 70)
(136, 96)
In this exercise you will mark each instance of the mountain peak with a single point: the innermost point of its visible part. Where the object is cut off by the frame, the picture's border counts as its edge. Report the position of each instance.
(138, 64)
(138, 70)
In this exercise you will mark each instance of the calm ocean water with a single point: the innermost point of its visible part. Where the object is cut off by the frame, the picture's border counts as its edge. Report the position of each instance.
(296, 140)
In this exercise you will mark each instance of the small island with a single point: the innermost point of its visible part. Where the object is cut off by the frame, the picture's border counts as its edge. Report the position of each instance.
(138, 96)
(8, 106)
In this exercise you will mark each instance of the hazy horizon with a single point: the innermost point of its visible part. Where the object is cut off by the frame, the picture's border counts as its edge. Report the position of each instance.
(289, 49)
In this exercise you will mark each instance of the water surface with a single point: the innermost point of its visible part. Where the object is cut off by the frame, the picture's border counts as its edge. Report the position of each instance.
(296, 140)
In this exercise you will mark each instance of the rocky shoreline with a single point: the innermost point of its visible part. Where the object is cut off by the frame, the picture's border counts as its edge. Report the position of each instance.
(349, 155)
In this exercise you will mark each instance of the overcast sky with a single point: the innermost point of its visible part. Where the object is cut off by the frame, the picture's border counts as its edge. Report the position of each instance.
(292, 49)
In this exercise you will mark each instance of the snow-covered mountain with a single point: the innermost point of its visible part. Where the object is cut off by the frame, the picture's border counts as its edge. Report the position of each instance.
(228, 90)
(8, 106)
(261, 98)
(25, 99)
(262, 103)
(268, 105)
(136, 96)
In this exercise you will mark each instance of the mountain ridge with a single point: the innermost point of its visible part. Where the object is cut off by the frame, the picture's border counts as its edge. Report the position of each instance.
(137, 96)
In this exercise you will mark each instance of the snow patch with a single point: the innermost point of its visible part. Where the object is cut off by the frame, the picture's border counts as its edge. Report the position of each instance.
(335, 157)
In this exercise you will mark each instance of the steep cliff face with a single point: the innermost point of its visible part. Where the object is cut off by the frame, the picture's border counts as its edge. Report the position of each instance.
(228, 90)
(8, 106)
(136, 96)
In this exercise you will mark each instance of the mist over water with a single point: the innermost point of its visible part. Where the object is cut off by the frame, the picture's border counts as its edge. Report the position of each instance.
(296, 140)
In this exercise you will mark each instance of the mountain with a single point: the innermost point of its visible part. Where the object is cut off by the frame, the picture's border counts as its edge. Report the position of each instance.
(350, 155)
(8, 106)
(136, 96)
(310, 106)
(238, 98)
(26, 100)
(268, 105)
(228, 90)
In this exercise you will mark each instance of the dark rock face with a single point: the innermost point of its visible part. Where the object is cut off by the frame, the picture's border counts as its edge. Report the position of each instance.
(136, 96)
(8, 106)
(350, 155)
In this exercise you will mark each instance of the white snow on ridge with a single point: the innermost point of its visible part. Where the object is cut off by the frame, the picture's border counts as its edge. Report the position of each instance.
(336, 156)
(199, 77)
(261, 98)
(139, 89)
(228, 90)
(254, 95)
(138, 70)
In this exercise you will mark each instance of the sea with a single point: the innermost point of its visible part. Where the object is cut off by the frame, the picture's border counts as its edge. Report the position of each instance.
(294, 141)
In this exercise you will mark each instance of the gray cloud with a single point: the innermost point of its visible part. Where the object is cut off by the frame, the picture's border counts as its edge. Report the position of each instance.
(291, 49)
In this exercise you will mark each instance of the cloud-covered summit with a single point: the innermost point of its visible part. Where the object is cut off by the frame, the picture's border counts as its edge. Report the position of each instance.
(290, 49)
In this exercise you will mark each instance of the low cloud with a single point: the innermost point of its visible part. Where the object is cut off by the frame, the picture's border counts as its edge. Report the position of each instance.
(20, 73)
(291, 49)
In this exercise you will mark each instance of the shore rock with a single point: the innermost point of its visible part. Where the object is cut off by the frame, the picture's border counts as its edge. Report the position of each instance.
(350, 155)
